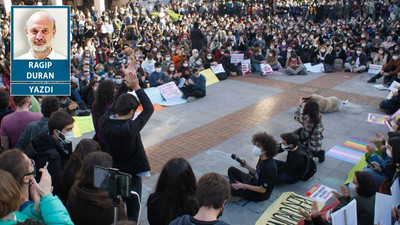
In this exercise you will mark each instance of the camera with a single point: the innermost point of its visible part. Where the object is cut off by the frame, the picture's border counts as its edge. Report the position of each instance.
(113, 181)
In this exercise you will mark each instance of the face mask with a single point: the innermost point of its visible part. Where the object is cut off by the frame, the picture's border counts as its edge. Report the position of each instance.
(167, 58)
(197, 75)
(178, 52)
(95, 88)
(389, 153)
(270, 54)
(256, 151)
(352, 186)
(381, 52)
(196, 55)
(283, 43)
(289, 50)
(358, 52)
(118, 81)
(209, 57)
(395, 57)
(362, 36)
(344, 47)
(69, 137)
(377, 37)
(63, 102)
(171, 69)
(185, 38)
(363, 44)
(111, 61)
(222, 52)
(185, 65)
(173, 49)
(285, 147)
(158, 70)
(87, 77)
(87, 55)
(198, 63)
(168, 38)
(158, 56)
(323, 50)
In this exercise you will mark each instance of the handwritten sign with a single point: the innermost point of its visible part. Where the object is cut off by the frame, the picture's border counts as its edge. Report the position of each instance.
(266, 69)
(217, 69)
(246, 67)
(285, 209)
(237, 58)
(374, 69)
(169, 91)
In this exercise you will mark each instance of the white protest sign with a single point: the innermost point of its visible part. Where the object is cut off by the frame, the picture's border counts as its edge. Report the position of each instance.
(308, 67)
(217, 69)
(246, 67)
(382, 209)
(237, 58)
(393, 88)
(320, 192)
(266, 69)
(374, 69)
(169, 91)
(347, 215)
(395, 190)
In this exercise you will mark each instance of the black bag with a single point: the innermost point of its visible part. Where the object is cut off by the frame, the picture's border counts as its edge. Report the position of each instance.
(311, 166)
(328, 68)
(304, 141)
(221, 76)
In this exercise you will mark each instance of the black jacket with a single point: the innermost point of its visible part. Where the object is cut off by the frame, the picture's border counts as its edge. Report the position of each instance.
(197, 38)
(363, 59)
(295, 164)
(123, 136)
(45, 148)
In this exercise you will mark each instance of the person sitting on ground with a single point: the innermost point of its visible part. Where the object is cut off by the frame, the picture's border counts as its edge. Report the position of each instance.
(70, 171)
(195, 86)
(50, 104)
(88, 204)
(381, 57)
(310, 134)
(175, 193)
(157, 77)
(295, 165)
(212, 192)
(259, 183)
(257, 59)
(294, 65)
(358, 61)
(272, 59)
(14, 124)
(388, 71)
(230, 69)
(47, 207)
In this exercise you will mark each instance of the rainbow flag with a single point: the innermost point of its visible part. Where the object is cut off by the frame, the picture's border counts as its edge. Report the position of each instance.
(345, 154)
(357, 143)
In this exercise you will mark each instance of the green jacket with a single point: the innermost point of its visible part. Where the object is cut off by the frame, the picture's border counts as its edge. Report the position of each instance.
(52, 212)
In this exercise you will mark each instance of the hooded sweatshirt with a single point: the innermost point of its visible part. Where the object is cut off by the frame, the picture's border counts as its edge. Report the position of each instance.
(92, 206)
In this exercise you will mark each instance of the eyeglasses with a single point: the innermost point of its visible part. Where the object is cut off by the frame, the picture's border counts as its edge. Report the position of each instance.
(34, 169)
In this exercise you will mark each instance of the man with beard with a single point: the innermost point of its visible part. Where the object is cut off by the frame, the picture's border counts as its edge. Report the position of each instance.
(40, 30)
(212, 192)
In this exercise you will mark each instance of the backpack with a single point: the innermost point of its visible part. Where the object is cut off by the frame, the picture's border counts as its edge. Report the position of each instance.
(328, 68)
(221, 76)
(311, 166)
(338, 65)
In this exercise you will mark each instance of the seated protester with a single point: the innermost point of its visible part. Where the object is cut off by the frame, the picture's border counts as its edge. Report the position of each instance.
(272, 59)
(390, 106)
(157, 77)
(230, 69)
(389, 71)
(293, 169)
(99, 70)
(111, 62)
(195, 86)
(175, 193)
(219, 54)
(258, 184)
(304, 51)
(294, 66)
(381, 57)
(184, 69)
(286, 54)
(273, 47)
(4, 104)
(166, 62)
(74, 164)
(195, 56)
(358, 61)
(159, 58)
(50, 104)
(47, 208)
(257, 59)
(208, 60)
(337, 56)
(242, 45)
(322, 53)
(367, 50)
(376, 42)
(212, 192)
(88, 204)
(178, 57)
(14, 124)
(173, 75)
(148, 64)
(54, 146)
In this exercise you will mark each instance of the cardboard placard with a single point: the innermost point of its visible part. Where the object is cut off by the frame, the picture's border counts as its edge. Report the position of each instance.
(374, 69)
(320, 193)
(246, 67)
(210, 77)
(170, 91)
(217, 69)
(266, 69)
(237, 58)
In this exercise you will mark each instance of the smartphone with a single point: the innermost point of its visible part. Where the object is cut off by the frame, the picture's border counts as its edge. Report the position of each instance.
(369, 163)
(102, 177)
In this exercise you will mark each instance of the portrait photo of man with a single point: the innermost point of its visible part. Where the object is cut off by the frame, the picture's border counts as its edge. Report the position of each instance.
(43, 39)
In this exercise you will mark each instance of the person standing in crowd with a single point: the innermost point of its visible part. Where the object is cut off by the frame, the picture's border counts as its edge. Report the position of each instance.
(122, 134)
(310, 134)
(197, 37)
(259, 183)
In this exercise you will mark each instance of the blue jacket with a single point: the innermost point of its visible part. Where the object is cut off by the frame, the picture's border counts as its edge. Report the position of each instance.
(52, 212)
(199, 83)
(154, 76)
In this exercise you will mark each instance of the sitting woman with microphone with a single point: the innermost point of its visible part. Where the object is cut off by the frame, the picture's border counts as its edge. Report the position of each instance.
(259, 183)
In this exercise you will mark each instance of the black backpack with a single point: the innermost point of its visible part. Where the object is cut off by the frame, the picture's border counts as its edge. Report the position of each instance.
(311, 166)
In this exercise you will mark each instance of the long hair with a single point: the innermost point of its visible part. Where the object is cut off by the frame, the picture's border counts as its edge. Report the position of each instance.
(178, 184)
(86, 175)
(311, 109)
(10, 197)
(395, 143)
(104, 95)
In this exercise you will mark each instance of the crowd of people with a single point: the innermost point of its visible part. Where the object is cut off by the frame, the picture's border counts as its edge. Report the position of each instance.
(137, 46)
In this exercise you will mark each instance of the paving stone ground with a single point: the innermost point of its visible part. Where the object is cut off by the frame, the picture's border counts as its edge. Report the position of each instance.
(207, 131)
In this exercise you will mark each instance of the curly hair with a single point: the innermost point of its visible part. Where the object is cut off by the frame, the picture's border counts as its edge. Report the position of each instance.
(266, 142)
(366, 184)
(104, 95)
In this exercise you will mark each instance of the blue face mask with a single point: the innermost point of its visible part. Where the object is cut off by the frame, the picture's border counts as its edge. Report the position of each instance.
(87, 77)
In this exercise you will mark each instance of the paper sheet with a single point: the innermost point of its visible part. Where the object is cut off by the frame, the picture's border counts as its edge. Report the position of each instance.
(346, 215)
(382, 209)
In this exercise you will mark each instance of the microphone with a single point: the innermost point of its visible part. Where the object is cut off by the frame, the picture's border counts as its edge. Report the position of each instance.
(239, 160)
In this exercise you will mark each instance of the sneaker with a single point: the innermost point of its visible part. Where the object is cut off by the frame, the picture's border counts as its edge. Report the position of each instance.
(321, 156)
(191, 99)
(347, 70)
(372, 80)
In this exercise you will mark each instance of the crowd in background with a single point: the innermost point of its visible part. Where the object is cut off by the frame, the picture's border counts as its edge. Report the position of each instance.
(175, 42)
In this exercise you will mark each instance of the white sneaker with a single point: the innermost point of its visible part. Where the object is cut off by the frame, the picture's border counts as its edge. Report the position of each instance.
(191, 99)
